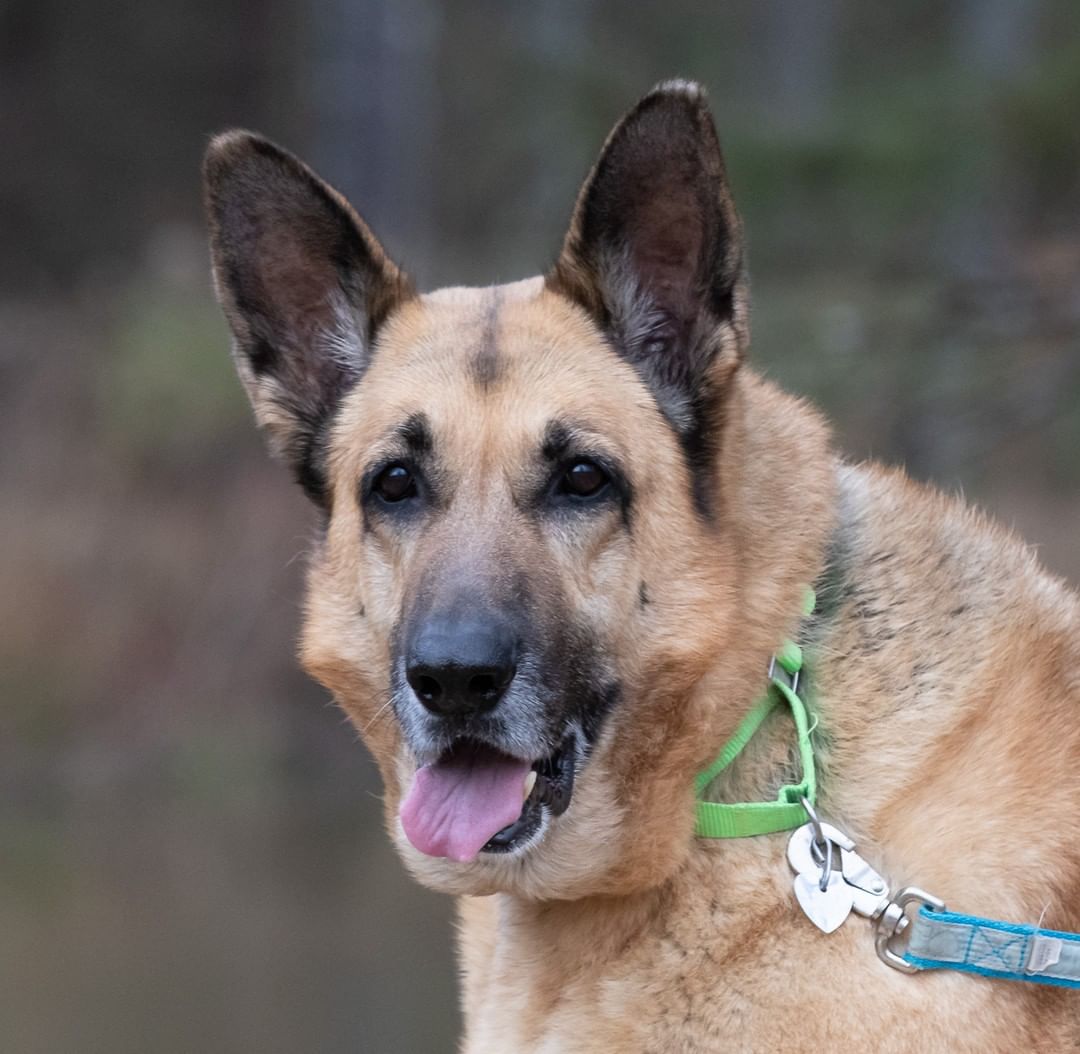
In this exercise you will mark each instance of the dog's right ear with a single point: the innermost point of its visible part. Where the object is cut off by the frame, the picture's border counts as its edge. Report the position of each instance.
(654, 255)
(304, 285)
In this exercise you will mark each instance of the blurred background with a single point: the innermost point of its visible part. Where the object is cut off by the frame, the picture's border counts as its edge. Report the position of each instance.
(191, 852)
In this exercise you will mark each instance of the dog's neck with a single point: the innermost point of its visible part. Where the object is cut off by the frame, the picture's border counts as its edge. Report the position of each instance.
(939, 670)
(781, 475)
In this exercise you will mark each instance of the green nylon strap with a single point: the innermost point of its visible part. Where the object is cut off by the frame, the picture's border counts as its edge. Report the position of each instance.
(746, 819)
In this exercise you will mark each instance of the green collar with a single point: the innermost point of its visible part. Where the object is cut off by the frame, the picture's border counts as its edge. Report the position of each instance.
(745, 819)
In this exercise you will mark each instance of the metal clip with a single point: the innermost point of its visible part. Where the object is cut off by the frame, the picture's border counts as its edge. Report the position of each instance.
(807, 854)
(871, 893)
(819, 841)
(894, 920)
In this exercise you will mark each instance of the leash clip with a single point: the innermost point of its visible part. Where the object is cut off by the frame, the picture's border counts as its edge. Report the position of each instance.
(894, 919)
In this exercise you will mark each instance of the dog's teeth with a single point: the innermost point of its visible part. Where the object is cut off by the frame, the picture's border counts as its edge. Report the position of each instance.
(527, 786)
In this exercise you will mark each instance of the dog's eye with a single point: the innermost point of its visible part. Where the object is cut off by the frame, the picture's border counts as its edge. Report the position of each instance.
(583, 479)
(395, 483)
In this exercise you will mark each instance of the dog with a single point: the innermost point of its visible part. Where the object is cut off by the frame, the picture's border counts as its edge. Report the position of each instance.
(563, 528)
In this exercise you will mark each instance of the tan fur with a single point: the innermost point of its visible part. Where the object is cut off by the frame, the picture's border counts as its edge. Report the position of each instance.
(952, 753)
(945, 687)
(943, 663)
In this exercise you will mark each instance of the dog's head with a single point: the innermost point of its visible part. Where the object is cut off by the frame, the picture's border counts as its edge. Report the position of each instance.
(527, 564)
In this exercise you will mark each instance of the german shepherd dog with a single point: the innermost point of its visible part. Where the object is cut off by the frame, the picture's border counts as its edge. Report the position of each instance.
(564, 527)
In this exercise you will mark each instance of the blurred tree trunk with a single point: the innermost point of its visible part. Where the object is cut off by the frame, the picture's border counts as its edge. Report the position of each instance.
(995, 37)
(802, 41)
(993, 41)
(374, 111)
(988, 299)
(557, 41)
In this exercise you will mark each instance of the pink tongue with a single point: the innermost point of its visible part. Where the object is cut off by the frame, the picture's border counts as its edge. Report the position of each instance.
(456, 804)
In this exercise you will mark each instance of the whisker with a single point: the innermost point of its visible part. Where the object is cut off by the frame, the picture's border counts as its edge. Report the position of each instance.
(378, 713)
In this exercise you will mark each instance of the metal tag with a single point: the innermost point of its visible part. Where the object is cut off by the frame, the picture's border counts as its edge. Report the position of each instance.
(826, 909)
(799, 853)
(870, 893)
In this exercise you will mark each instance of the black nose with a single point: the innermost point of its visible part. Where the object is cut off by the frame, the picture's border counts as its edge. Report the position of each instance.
(461, 665)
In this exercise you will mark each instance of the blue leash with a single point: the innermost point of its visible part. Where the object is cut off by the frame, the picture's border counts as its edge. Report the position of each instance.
(945, 940)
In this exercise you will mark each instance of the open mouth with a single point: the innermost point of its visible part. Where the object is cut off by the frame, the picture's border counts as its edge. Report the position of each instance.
(476, 799)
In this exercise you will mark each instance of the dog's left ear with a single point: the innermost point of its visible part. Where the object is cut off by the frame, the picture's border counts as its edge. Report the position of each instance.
(654, 253)
(305, 286)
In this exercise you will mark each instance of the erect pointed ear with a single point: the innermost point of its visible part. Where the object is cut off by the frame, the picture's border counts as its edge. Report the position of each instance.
(654, 253)
(304, 285)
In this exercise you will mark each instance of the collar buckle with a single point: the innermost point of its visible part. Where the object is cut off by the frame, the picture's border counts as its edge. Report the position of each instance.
(778, 671)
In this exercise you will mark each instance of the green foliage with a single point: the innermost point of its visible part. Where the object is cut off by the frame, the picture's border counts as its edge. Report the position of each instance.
(37, 866)
(167, 388)
(37, 692)
(1040, 122)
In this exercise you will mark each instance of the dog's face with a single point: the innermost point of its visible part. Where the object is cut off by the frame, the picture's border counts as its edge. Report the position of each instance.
(523, 517)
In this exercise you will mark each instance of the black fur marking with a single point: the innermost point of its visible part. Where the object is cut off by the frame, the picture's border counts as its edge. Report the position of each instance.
(833, 588)
(310, 476)
(643, 595)
(699, 444)
(487, 364)
(589, 691)
(596, 706)
(557, 439)
(307, 453)
(415, 433)
(263, 356)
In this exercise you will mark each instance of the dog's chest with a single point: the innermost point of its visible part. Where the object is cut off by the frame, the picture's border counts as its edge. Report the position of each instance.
(663, 994)
(699, 976)
(686, 971)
